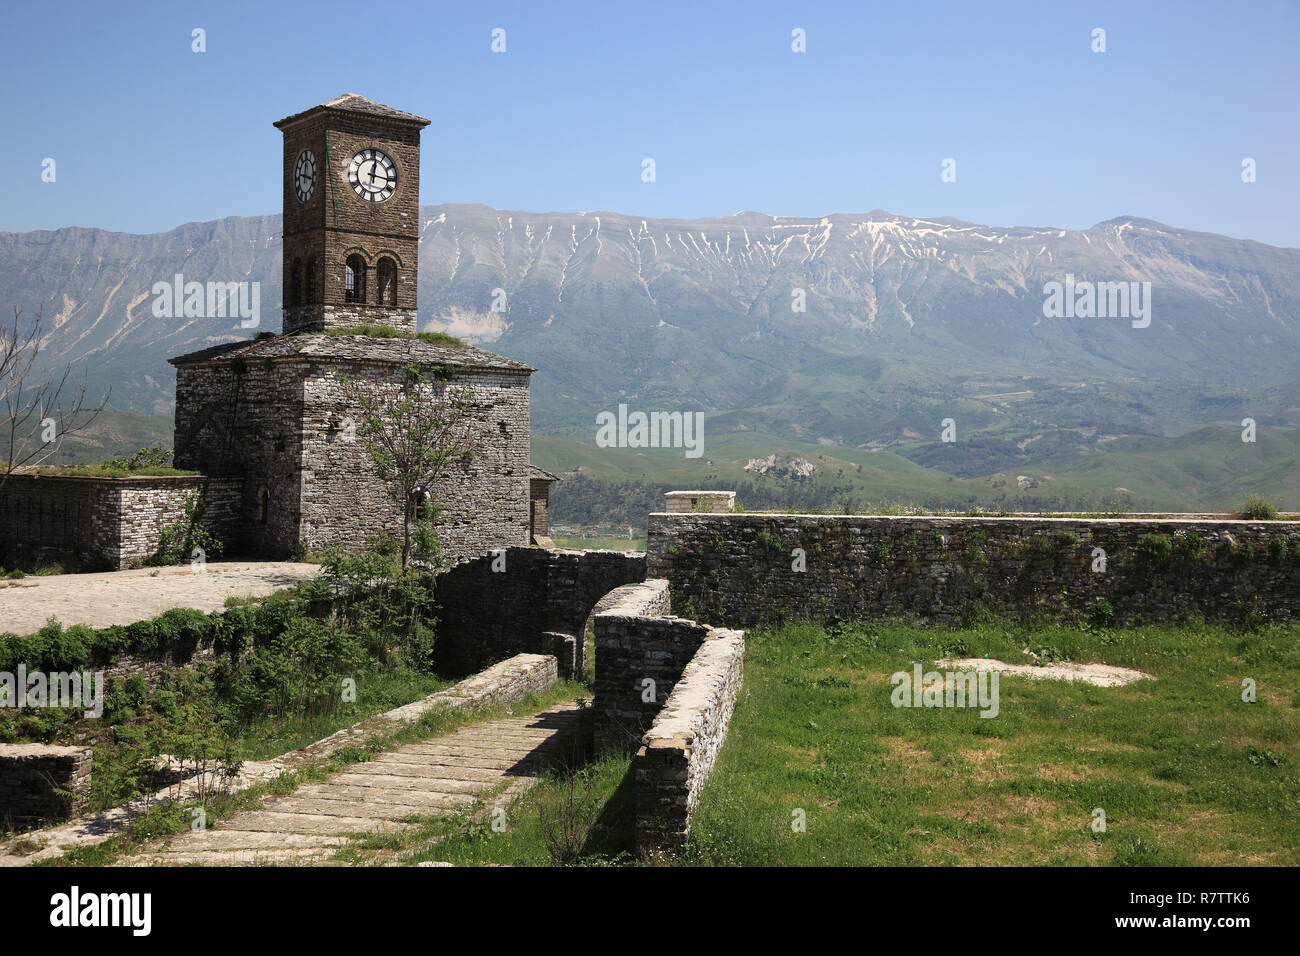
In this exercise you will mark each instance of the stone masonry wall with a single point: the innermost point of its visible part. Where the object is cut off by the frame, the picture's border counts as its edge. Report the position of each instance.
(244, 418)
(737, 569)
(679, 750)
(636, 642)
(47, 519)
(148, 506)
(538, 603)
(31, 776)
(103, 523)
(485, 502)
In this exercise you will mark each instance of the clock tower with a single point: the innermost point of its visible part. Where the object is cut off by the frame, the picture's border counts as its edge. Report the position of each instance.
(351, 216)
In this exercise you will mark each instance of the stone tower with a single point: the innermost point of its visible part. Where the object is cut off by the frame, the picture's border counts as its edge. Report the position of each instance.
(273, 413)
(351, 215)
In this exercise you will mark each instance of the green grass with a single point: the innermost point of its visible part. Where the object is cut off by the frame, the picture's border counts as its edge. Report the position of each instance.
(377, 692)
(601, 544)
(389, 332)
(1186, 773)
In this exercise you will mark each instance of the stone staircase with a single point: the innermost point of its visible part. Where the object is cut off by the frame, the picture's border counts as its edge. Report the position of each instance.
(498, 760)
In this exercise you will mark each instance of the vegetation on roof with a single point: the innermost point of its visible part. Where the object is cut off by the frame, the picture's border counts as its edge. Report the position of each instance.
(388, 332)
(154, 461)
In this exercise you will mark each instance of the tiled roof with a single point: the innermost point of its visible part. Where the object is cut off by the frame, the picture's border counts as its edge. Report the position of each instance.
(536, 474)
(354, 347)
(352, 103)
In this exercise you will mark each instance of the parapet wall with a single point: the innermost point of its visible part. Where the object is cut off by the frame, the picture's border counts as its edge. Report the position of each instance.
(747, 569)
(525, 600)
(104, 523)
(679, 750)
(37, 781)
(641, 653)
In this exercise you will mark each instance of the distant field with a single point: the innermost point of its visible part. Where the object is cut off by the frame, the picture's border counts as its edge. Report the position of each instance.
(601, 544)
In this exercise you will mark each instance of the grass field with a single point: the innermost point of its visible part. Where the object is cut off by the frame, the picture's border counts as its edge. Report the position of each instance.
(1185, 771)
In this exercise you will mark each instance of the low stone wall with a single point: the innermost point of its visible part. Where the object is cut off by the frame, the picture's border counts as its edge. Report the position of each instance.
(525, 600)
(104, 523)
(641, 653)
(678, 752)
(36, 781)
(746, 569)
(500, 685)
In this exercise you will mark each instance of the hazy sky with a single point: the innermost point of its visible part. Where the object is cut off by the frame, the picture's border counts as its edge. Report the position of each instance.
(147, 134)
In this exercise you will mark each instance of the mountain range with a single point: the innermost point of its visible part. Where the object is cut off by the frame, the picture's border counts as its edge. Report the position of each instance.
(864, 331)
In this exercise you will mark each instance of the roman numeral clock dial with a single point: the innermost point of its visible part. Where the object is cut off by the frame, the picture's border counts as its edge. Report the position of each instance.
(304, 176)
(373, 175)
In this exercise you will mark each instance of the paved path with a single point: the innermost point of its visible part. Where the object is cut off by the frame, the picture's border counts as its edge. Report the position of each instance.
(122, 597)
(498, 759)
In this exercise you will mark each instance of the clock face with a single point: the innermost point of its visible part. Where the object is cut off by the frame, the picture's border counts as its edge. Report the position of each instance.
(373, 175)
(304, 175)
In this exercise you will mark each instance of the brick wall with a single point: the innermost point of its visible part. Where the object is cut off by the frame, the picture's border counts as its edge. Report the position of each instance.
(737, 568)
(31, 776)
(679, 750)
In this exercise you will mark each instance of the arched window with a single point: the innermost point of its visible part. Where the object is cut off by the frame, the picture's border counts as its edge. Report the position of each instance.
(354, 279)
(386, 274)
(295, 283)
(312, 292)
(263, 505)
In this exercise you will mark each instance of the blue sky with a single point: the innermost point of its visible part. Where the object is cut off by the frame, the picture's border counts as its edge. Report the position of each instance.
(147, 134)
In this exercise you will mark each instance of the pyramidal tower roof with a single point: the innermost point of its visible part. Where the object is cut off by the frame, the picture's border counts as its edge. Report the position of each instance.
(354, 103)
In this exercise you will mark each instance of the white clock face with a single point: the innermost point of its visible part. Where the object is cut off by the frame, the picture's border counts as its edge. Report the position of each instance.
(373, 175)
(304, 175)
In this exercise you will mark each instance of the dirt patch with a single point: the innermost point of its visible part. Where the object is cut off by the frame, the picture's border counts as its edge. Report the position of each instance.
(1101, 675)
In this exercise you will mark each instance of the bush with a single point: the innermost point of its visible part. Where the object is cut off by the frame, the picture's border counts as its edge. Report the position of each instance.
(1101, 613)
(1155, 548)
(1258, 509)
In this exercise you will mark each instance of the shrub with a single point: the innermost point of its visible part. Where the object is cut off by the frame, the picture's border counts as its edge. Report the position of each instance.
(1155, 548)
(1258, 509)
(1101, 613)
(1189, 548)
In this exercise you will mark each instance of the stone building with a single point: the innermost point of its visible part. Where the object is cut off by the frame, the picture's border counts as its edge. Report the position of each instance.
(273, 411)
(267, 423)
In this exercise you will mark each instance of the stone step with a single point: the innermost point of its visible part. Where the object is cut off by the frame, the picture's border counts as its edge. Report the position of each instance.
(421, 799)
(433, 784)
(395, 768)
(249, 840)
(271, 822)
(298, 857)
(371, 810)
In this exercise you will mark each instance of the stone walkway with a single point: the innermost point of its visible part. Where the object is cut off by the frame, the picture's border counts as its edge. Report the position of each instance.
(122, 597)
(498, 760)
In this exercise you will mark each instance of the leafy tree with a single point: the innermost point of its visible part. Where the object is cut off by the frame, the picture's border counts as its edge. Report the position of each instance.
(413, 430)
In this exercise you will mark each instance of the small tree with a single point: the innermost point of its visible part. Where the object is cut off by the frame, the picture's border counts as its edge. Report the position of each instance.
(413, 430)
(38, 413)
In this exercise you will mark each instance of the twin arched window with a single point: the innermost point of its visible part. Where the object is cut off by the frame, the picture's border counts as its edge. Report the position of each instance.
(354, 280)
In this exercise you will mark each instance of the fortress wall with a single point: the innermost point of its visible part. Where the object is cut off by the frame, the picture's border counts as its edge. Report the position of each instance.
(103, 523)
(679, 750)
(741, 569)
(525, 600)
